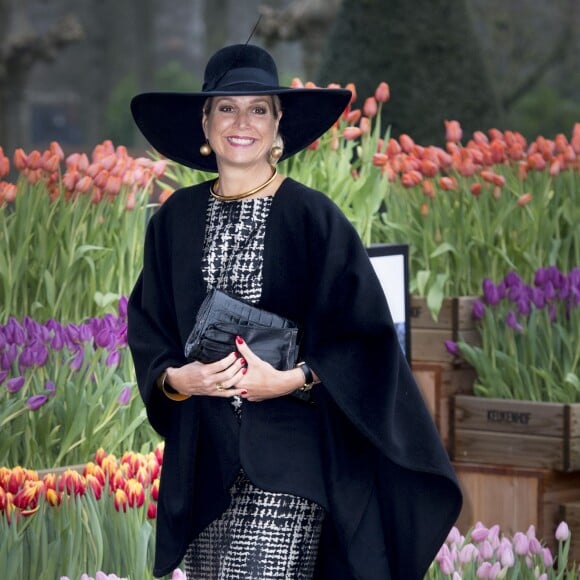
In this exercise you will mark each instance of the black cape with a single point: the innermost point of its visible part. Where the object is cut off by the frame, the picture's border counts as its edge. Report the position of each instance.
(391, 490)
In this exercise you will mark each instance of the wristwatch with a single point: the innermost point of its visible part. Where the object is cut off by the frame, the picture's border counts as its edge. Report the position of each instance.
(308, 376)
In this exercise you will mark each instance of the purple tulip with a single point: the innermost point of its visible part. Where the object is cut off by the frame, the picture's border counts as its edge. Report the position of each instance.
(3, 375)
(15, 384)
(549, 290)
(57, 342)
(490, 292)
(523, 306)
(512, 321)
(478, 310)
(105, 338)
(540, 277)
(538, 298)
(125, 396)
(113, 359)
(36, 401)
(512, 279)
(452, 348)
(3, 341)
(77, 362)
(123, 303)
(50, 388)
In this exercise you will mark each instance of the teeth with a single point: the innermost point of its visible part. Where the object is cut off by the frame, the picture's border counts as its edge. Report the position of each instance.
(240, 140)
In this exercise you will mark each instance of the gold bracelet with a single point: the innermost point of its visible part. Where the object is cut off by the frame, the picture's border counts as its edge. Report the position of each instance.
(173, 396)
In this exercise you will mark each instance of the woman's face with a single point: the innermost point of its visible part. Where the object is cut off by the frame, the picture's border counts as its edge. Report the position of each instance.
(241, 129)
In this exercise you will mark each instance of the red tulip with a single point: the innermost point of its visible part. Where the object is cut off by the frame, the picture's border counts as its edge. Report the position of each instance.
(411, 178)
(406, 142)
(152, 511)
(352, 88)
(428, 189)
(53, 497)
(56, 149)
(524, 199)
(424, 209)
(135, 493)
(380, 159)
(475, 189)
(428, 168)
(352, 117)
(121, 501)
(448, 184)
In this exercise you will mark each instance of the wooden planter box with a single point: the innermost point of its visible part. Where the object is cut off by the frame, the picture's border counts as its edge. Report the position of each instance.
(428, 336)
(438, 383)
(518, 433)
(515, 498)
(571, 515)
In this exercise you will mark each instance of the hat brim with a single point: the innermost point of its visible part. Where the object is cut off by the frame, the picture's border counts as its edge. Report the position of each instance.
(171, 122)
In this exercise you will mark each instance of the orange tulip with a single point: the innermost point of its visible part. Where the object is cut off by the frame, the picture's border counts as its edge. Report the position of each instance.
(428, 189)
(448, 183)
(135, 493)
(428, 168)
(352, 88)
(353, 116)
(95, 485)
(411, 178)
(50, 162)
(382, 92)
(56, 149)
(70, 178)
(8, 192)
(453, 131)
(406, 142)
(475, 189)
(393, 147)
(4, 164)
(524, 199)
(480, 137)
(20, 159)
(84, 184)
(555, 167)
(165, 195)
(424, 209)
(537, 162)
(72, 482)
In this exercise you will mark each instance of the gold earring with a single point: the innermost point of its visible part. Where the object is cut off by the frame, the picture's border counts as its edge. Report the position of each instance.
(205, 149)
(276, 152)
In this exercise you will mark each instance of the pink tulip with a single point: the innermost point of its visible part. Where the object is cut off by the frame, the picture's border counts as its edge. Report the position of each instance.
(507, 557)
(468, 553)
(547, 557)
(483, 570)
(562, 532)
(383, 93)
(479, 533)
(521, 544)
(535, 546)
(446, 565)
(494, 571)
(453, 132)
(370, 107)
(486, 550)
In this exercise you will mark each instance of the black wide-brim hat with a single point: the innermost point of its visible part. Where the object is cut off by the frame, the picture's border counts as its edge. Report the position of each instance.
(171, 122)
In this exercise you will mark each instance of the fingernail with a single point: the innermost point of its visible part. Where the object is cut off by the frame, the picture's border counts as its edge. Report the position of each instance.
(243, 361)
(244, 393)
(236, 354)
(239, 340)
(244, 370)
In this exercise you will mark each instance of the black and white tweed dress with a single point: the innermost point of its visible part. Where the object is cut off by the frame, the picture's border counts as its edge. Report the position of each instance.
(262, 535)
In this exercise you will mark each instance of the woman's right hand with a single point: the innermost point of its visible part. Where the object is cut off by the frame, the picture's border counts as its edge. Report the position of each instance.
(217, 379)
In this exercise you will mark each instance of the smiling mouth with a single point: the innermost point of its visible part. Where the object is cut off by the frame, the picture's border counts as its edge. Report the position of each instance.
(241, 140)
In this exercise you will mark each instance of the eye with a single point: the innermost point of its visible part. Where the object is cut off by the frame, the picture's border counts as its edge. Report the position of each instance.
(225, 108)
(260, 110)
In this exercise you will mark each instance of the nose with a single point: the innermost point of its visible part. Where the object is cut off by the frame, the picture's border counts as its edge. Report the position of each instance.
(242, 118)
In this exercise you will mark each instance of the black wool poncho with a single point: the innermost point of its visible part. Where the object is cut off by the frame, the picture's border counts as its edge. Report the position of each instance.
(367, 448)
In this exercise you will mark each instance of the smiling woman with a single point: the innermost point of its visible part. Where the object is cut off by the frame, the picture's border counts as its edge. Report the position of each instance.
(331, 469)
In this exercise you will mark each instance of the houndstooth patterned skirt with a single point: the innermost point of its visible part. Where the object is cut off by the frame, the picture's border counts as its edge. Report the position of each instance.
(262, 535)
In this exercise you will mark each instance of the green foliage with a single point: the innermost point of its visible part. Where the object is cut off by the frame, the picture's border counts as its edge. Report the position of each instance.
(120, 127)
(427, 52)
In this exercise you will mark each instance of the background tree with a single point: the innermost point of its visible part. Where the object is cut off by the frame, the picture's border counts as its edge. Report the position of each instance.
(427, 51)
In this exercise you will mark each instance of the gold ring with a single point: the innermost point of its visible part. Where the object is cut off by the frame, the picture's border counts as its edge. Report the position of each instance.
(220, 387)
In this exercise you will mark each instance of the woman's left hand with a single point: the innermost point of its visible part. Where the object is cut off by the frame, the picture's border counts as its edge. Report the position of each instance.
(261, 380)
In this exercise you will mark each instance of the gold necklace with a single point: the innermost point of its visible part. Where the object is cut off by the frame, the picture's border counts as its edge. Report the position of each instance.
(239, 196)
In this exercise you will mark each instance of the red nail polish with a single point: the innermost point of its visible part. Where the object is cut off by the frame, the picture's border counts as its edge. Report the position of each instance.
(243, 361)
(237, 354)
(239, 340)
(244, 392)
(244, 370)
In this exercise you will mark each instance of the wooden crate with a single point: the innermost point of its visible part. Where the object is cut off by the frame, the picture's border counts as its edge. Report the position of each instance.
(571, 515)
(515, 497)
(519, 433)
(439, 382)
(428, 336)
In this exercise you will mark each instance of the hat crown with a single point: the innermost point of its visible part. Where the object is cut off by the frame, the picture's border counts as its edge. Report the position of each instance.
(240, 64)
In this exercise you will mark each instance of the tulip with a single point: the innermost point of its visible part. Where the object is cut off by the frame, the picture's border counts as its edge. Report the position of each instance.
(562, 532)
(152, 511)
(524, 199)
(452, 348)
(453, 132)
(370, 107)
(351, 133)
(35, 402)
(121, 501)
(125, 396)
(15, 384)
(475, 189)
(407, 143)
(428, 189)
(352, 88)
(382, 92)
(483, 570)
(20, 160)
(448, 183)
(364, 125)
